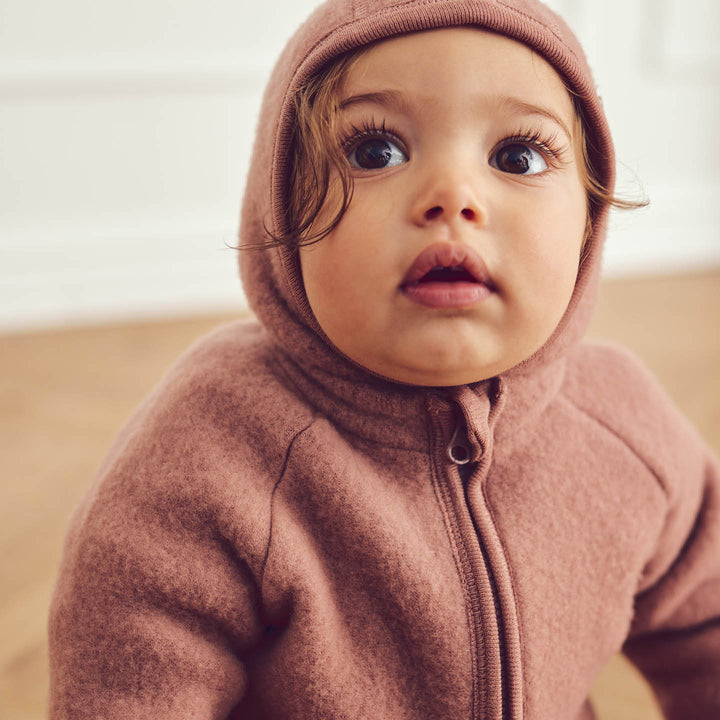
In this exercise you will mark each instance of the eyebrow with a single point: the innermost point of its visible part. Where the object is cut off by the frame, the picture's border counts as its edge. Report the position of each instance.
(520, 107)
(387, 98)
(514, 105)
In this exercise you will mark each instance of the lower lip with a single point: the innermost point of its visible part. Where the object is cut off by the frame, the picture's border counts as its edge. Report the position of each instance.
(447, 294)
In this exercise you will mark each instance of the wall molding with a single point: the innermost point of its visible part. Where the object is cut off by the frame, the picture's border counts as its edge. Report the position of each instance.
(79, 77)
(88, 277)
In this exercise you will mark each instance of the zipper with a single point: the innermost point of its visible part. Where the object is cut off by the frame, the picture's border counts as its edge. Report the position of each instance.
(480, 579)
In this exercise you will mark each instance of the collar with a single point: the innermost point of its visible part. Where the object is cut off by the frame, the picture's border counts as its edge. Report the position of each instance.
(381, 411)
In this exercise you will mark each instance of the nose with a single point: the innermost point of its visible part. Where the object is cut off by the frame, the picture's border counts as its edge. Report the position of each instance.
(448, 197)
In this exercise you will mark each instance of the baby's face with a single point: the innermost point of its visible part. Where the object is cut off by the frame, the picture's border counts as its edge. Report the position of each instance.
(463, 155)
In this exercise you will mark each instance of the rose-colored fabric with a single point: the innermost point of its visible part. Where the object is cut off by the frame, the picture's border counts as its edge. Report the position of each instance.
(278, 533)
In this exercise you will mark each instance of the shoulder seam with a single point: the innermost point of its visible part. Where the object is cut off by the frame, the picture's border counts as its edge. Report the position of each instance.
(609, 429)
(281, 477)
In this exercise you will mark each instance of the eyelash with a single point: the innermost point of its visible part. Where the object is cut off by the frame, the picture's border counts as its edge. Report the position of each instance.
(549, 144)
(368, 129)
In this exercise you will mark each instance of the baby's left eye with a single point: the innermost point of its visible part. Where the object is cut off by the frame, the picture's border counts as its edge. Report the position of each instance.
(519, 159)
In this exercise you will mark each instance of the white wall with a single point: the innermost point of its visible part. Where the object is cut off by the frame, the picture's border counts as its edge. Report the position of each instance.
(125, 131)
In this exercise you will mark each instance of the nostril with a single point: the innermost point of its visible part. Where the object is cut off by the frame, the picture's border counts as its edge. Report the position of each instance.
(437, 211)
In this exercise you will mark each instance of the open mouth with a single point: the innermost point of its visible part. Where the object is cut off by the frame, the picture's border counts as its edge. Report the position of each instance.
(446, 262)
(448, 275)
(440, 273)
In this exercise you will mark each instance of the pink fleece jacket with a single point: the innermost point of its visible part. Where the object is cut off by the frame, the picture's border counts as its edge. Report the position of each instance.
(279, 534)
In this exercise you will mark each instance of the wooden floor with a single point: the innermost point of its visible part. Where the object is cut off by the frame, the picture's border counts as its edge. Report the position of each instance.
(63, 396)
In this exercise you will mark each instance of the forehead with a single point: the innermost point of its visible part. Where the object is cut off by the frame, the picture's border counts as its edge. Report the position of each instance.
(464, 64)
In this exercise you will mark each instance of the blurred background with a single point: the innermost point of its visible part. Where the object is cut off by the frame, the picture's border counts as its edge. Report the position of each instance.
(125, 135)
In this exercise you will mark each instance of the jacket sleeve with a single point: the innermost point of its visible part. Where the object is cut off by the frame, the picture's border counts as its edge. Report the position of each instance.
(675, 635)
(155, 609)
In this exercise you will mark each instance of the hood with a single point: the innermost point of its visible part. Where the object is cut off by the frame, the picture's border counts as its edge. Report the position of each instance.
(271, 277)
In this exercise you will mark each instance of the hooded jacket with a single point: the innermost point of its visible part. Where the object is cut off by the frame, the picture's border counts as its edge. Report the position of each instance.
(279, 533)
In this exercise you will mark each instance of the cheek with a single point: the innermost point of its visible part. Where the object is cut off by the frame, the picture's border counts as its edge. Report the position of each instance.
(339, 270)
(564, 250)
(360, 247)
(325, 275)
(545, 254)
(564, 220)
(323, 279)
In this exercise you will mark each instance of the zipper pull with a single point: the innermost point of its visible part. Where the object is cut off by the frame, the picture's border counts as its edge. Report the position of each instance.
(459, 449)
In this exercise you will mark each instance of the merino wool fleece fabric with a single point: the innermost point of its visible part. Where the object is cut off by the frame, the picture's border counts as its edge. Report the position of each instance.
(279, 533)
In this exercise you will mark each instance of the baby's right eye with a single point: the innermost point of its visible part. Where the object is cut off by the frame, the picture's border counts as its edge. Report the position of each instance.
(375, 154)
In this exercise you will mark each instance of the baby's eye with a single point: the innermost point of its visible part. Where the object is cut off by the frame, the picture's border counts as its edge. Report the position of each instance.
(519, 159)
(376, 153)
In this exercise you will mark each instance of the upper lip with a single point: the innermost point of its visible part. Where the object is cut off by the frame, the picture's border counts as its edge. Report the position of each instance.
(448, 255)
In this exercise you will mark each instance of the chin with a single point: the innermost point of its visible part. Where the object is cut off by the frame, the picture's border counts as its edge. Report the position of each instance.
(441, 376)
(434, 365)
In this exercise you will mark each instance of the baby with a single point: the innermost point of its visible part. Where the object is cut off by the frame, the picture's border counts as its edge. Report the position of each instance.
(409, 492)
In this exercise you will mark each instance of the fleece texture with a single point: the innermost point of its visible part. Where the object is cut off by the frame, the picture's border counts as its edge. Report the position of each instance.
(277, 533)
